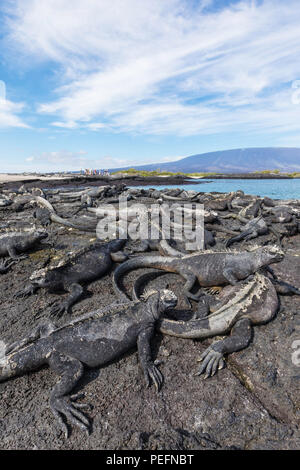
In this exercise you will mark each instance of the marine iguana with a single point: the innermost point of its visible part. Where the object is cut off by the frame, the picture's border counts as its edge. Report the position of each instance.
(253, 228)
(90, 340)
(49, 214)
(209, 268)
(13, 243)
(239, 308)
(83, 266)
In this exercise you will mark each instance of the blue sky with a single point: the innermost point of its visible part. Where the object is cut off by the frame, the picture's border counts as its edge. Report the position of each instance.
(92, 83)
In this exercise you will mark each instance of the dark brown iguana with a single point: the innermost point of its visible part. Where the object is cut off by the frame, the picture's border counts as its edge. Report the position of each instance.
(90, 340)
(209, 268)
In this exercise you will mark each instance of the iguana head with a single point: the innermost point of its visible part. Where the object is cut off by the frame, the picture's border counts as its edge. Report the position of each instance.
(270, 254)
(167, 299)
(162, 300)
(40, 234)
(38, 276)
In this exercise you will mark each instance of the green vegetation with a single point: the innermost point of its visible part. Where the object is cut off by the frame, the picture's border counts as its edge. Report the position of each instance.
(268, 172)
(132, 171)
(279, 173)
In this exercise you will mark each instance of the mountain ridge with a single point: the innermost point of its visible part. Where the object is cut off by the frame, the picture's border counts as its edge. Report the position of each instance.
(285, 159)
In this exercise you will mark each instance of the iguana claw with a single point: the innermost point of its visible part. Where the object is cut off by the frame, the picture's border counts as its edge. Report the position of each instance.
(59, 309)
(65, 406)
(212, 362)
(4, 266)
(29, 290)
(152, 372)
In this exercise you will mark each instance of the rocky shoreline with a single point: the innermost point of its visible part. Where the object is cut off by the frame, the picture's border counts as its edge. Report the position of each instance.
(85, 181)
(252, 404)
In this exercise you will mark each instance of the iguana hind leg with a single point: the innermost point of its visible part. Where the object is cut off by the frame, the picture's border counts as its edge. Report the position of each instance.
(214, 290)
(63, 405)
(212, 357)
(190, 281)
(285, 288)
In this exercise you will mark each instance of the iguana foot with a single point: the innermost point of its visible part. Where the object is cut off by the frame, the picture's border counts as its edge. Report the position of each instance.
(189, 296)
(151, 372)
(65, 406)
(4, 266)
(59, 309)
(215, 290)
(212, 362)
(203, 309)
(19, 258)
(29, 290)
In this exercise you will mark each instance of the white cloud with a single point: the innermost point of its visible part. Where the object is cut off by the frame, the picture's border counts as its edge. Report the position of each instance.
(165, 67)
(9, 114)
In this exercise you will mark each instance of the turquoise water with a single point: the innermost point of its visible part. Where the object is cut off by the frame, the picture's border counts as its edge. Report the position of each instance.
(275, 189)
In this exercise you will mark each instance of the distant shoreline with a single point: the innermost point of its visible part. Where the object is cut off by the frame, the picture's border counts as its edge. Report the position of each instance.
(14, 181)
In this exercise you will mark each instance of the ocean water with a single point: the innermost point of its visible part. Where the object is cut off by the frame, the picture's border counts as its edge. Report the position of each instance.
(275, 188)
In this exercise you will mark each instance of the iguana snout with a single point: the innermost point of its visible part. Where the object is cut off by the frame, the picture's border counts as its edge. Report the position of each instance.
(275, 253)
(168, 299)
(41, 234)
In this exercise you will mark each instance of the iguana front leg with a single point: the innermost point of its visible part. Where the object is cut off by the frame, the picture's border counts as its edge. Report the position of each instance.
(212, 357)
(62, 405)
(151, 372)
(229, 275)
(76, 292)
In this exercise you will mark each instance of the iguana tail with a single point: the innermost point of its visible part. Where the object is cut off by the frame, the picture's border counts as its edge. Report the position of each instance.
(84, 226)
(237, 238)
(159, 262)
(20, 362)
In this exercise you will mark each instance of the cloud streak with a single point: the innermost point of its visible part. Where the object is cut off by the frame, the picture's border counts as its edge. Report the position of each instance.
(9, 114)
(165, 68)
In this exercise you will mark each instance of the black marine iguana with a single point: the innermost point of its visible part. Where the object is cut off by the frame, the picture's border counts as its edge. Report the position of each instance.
(13, 243)
(90, 340)
(84, 266)
(210, 268)
(253, 228)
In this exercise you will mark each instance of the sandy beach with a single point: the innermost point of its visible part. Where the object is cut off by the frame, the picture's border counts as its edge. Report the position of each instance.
(10, 178)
